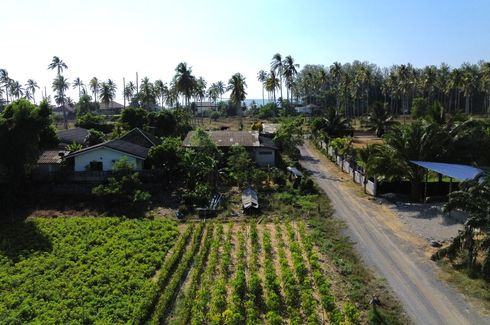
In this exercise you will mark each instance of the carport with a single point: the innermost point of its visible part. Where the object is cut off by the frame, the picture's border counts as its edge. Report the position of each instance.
(453, 171)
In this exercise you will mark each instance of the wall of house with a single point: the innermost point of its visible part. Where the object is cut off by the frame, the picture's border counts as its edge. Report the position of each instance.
(107, 156)
(265, 156)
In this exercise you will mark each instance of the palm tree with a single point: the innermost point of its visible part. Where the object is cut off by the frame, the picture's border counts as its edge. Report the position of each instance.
(31, 86)
(237, 86)
(418, 140)
(60, 85)
(78, 83)
(379, 120)
(128, 92)
(184, 81)
(334, 124)
(262, 77)
(57, 64)
(112, 86)
(94, 87)
(289, 73)
(336, 72)
(5, 81)
(277, 67)
(220, 89)
(16, 89)
(147, 94)
(469, 85)
(272, 83)
(162, 91)
(485, 84)
(107, 93)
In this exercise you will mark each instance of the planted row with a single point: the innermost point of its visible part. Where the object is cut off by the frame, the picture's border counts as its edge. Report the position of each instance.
(173, 285)
(254, 293)
(272, 285)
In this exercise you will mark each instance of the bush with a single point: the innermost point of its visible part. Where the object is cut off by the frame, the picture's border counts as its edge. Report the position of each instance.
(199, 196)
(124, 189)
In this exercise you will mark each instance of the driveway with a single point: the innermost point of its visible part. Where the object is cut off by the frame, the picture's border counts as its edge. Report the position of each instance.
(391, 249)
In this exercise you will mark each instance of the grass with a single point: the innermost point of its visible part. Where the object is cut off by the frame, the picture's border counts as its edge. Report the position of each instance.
(476, 289)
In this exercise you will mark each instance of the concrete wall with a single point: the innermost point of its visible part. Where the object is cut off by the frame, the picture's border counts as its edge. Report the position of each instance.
(265, 156)
(107, 156)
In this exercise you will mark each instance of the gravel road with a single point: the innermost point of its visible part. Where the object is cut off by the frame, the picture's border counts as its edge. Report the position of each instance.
(391, 250)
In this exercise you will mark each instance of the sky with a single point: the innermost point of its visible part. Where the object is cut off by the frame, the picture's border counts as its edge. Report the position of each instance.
(217, 38)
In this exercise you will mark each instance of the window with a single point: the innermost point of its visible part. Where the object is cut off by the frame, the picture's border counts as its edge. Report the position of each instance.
(95, 166)
(265, 153)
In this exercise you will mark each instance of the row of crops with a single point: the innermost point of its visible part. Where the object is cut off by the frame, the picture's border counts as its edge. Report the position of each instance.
(111, 270)
(246, 273)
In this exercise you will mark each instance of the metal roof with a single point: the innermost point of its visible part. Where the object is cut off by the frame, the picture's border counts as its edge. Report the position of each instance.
(51, 157)
(228, 138)
(461, 172)
(295, 171)
(250, 199)
(77, 135)
(118, 145)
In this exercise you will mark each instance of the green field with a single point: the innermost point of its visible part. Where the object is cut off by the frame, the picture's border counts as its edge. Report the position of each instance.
(80, 270)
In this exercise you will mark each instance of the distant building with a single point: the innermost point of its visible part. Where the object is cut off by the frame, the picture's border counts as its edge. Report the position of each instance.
(202, 107)
(112, 108)
(74, 135)
(48, 163)
(269, 129)
(262, 149)
(70, 112)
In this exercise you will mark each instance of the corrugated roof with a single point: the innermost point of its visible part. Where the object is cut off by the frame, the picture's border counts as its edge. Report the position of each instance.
(77, 135)
(140, 137)
(51, 157)
(229, 138)
(460, 172)
(249, 198)
(119, 145)
(270, 128)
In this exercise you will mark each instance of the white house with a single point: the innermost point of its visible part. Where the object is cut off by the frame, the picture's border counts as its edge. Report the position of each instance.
(134, 145)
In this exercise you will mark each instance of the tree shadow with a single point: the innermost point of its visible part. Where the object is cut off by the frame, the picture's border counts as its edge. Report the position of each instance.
(20, 239)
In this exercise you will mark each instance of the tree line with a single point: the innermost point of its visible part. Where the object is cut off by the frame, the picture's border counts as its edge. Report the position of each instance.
(352, 87)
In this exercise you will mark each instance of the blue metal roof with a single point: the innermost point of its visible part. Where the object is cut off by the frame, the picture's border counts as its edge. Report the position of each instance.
(461, 172)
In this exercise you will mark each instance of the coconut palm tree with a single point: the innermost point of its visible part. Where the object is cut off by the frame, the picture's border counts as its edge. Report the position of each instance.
(272, 83)
(418, 140)
(112, 86)
(162, 91)
(60, 85)
(277, 67)
(5, 82)
(469, 84)
(334, 124)
(184, 81)
(94, 87)
(289, 73)
(147, 94)
(107, 93)
(57, 64)
(336, 72)
(237, 86)
(220, 89)
(379, 120)
(78, 83)
(16, 89)
(31, 86)
(128, 92)
(262, 77)
(485, 84)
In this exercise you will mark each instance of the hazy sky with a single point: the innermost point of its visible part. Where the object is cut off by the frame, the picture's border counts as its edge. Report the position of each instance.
(115, 38)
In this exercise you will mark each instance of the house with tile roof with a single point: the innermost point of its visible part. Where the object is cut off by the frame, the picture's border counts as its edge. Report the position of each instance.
(261, 148)
(134, 145)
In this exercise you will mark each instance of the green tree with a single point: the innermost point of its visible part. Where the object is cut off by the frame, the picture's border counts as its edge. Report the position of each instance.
(184, 81)
(262, 77)
(31, 87)
(78, 83)
(148, 94)
(237, 86)
(167, 156)
(289, 135)
(472, 197)
(163, 123)
(239, 165)
(95, 137)
(123, 189)
(289, 73)
(60, 85)
(133, 117)
(16, 89)
(94, 86)
(107, 92)
(85, 105)
(379, 119)
(277, 67)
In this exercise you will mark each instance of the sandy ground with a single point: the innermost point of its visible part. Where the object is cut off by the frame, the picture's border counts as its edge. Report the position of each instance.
(428, 220)
(392, 249)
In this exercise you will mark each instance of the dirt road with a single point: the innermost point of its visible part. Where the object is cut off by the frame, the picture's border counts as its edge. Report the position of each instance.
(391, 250)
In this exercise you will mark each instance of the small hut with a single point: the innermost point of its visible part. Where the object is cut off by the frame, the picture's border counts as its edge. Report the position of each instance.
(250, 200)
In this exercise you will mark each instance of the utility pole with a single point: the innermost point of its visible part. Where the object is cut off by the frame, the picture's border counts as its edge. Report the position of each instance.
(137, 87)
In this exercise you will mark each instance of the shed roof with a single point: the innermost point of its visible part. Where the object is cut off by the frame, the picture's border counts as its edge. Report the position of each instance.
(229, 138)
(250, 199)
(457, 171)
(51, 157)
(118, 145)
(77, 135)
(270, 128)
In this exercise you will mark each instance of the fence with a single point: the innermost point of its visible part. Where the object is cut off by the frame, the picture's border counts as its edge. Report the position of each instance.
(358, 177)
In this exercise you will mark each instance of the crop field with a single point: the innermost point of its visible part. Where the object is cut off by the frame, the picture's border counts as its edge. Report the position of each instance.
(245, 273)
(109, 270)
(80, 270)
